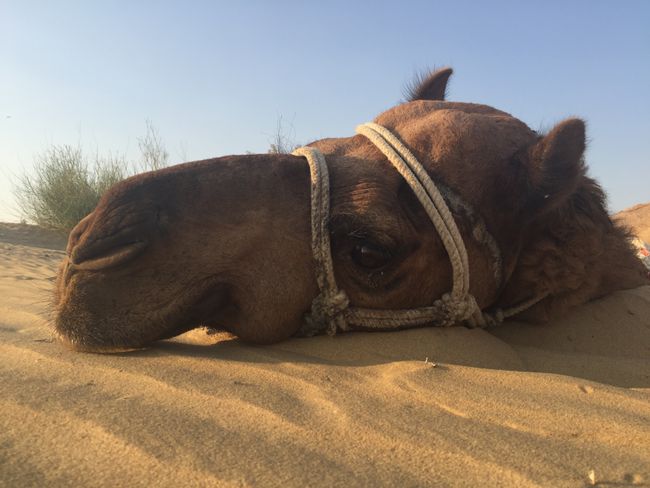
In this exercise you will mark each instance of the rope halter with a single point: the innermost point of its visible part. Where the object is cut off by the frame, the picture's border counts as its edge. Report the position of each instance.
(330, 310)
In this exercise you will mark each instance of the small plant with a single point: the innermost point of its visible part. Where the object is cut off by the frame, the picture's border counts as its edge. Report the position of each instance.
(65, 185)
(64, 188)
(282, 143)
(154, 156)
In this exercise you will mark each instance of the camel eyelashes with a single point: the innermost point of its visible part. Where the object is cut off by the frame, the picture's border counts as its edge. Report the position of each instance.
(370, 256)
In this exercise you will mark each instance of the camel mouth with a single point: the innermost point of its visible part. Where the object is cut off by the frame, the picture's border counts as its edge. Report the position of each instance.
(81, 346)
(97, 343)
(93, 324)
(117, 256)
(210, 309)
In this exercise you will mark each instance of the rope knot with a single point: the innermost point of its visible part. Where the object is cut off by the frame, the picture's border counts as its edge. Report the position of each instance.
(327, 314)
(448, 308)
(453, 310)
(329, 306)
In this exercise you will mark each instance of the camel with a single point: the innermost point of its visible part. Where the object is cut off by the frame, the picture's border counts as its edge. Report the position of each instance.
(226, 242)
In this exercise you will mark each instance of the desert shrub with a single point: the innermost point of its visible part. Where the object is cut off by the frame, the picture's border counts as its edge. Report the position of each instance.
(64, 187)
(153, 154)
(282, 141)
(107, 171)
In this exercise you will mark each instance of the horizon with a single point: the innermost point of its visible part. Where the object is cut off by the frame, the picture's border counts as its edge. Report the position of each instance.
(215, 79)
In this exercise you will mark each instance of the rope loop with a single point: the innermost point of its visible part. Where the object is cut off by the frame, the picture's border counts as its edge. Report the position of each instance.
(330, 310)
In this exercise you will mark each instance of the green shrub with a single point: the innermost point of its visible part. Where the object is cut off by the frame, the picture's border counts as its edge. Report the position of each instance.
(64, 187)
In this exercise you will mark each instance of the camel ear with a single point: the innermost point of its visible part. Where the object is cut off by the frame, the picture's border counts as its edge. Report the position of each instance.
(555, 164)
(431, 86)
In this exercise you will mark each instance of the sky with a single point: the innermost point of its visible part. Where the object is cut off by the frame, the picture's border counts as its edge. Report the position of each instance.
(215, 78)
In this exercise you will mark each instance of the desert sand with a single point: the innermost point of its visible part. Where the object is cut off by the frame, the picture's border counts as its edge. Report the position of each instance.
(562, 404)
(637, 218)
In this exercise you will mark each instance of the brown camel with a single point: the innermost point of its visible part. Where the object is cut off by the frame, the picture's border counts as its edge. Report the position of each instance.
(225, 242)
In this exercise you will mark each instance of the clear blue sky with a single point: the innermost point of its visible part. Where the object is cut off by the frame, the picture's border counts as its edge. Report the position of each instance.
(214, 77)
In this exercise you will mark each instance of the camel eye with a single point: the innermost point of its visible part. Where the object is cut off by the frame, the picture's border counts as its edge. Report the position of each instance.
(370, 256)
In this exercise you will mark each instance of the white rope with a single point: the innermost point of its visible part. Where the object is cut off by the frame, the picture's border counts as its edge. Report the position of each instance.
(327, 307)
(330, 309)
(430, 198)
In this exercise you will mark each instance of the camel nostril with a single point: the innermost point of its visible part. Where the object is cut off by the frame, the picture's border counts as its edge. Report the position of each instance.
(108, 240)
(95, 252)
(105, 246)
(77, 232)
(106, 255)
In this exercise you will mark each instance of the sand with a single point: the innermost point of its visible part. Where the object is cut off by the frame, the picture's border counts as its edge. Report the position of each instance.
(565, 404)
(637, 218)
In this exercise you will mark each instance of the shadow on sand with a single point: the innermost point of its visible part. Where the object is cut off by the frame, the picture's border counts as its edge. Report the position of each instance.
(607, 341)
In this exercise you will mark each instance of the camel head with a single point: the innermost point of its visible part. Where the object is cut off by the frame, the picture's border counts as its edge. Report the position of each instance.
(225, 242)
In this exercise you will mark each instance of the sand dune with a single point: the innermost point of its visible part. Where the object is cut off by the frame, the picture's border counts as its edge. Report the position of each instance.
(566, 404)
(638, 219)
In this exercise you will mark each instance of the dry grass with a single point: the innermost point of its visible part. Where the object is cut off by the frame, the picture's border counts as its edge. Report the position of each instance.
(65, 184)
